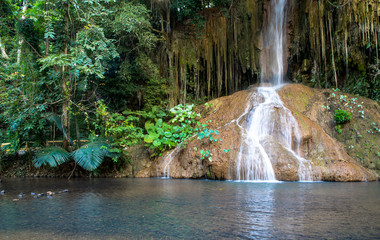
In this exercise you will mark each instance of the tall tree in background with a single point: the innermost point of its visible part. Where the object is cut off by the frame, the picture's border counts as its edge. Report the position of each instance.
(80, 40)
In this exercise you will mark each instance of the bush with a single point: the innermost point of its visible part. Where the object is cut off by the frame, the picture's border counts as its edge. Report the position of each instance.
(164, 136)
(342, 116)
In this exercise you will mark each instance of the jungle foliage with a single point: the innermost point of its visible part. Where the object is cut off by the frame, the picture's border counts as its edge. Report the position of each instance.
(58, 58)
(104, 75)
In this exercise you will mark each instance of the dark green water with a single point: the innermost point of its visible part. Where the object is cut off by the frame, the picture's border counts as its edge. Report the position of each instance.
(188, 209)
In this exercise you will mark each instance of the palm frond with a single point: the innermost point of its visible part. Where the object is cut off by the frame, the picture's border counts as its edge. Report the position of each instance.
(57, 120)
(91, 155)
(52, 156)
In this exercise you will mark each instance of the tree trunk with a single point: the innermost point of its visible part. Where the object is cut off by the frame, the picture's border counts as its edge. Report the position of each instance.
(65, 88)
(346, 49)
(77, 132)
(47, 43)
(3, 51)
(21, 40)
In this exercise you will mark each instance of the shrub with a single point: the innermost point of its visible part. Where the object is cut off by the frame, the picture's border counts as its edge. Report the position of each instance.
(342, 116)
(163, 136)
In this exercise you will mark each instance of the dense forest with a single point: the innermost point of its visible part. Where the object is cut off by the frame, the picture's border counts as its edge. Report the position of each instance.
(86, 80)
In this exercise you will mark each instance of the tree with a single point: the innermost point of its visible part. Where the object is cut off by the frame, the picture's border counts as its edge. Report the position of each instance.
(55, 57)
(75, 43)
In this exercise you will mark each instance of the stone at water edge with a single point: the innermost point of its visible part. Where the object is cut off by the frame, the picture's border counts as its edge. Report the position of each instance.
(50, 193)
(284, 163)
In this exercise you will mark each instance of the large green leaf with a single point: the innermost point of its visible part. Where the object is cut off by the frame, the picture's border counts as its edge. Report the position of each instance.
(154, 135)
(91, 155)
(52, 156)
(157, 143)
(168, 134)
(159, 123)
(148, 139)
(148, 125)
(160, 131)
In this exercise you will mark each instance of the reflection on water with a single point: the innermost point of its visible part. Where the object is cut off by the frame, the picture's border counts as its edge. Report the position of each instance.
(188, 209)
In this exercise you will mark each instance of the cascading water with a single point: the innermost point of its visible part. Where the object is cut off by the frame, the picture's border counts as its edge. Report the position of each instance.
(270, 118)
(272, 59)
(168, 160)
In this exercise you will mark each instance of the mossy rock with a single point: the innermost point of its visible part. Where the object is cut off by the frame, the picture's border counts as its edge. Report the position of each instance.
(378, 164)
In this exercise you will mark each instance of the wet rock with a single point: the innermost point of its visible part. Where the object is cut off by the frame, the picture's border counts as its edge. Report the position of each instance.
(2, 192)
(64, 191)
(228, 115)
(50, 193)
(21, 195)
(285, 164)
(140, 159)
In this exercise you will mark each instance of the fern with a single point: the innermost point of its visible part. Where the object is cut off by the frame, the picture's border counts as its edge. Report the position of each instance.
(91, 155)
(52, 156)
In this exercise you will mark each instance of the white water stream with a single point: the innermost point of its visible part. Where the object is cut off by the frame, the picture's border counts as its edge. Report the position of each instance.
(167, 162)
(270, 119)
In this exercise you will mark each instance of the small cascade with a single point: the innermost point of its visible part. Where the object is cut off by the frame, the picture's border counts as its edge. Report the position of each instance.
(253, 162)
(167, 161)
(270, 119)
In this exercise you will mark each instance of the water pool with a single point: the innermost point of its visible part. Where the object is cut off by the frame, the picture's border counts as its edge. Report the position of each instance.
(188, 209)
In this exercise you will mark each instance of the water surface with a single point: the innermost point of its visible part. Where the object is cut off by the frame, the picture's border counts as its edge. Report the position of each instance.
(188, 209)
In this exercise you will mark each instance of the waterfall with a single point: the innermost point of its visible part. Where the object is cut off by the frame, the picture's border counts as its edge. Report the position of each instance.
(269, 118)
(168, 161)
(272, 59)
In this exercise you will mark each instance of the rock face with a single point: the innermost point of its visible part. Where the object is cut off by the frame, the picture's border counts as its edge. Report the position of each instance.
(359, 140)
(326, 156)
(284, 163)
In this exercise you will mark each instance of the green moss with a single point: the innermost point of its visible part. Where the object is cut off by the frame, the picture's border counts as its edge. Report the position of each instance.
(377, 164)
(208, 174)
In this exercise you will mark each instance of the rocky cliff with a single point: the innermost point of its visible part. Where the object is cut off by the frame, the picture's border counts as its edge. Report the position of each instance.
(331, 159)
(330, 44)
